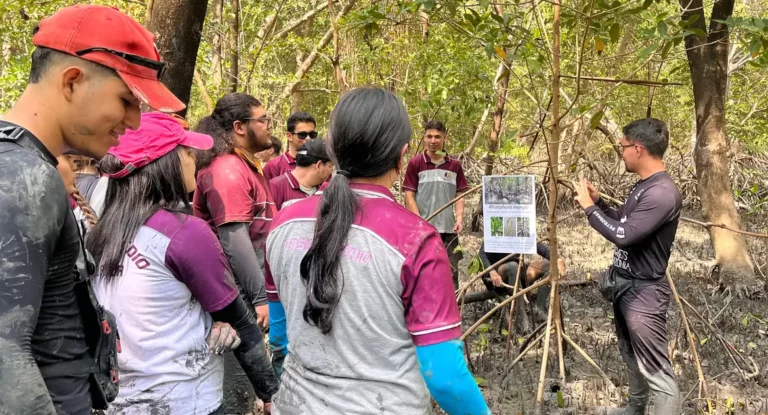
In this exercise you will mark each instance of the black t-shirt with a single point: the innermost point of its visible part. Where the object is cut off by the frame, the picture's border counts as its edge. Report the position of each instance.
(40, 320)
(643, 229)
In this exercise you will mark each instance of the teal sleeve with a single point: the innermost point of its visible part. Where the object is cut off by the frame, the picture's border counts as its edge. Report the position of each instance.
(445, 372)
(278, 337)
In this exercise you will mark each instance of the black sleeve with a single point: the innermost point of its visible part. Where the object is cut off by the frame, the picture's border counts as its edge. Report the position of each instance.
(654, 208)
(252, 353)
(612, 213)
(484, 257)
(33, 207)
(543, 250)
(245, 263)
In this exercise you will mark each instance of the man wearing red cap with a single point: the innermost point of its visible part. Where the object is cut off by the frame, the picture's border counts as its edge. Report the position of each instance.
(92, 67)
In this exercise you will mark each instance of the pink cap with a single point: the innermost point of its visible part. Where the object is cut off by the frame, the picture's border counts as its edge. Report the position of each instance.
(158, 135)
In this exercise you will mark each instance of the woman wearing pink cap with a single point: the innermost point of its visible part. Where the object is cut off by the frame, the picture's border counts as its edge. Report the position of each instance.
(164, 275)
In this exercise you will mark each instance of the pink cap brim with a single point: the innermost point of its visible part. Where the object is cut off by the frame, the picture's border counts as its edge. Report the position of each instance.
(153, 93)
(197, 141)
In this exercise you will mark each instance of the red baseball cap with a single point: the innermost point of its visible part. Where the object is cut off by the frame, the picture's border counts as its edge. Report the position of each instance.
(158, 135)
(106, 36)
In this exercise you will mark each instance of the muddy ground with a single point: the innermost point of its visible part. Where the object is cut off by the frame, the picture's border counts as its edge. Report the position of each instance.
(588, 321)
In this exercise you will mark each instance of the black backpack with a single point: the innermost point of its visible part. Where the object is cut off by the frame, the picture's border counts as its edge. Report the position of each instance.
(100, 325)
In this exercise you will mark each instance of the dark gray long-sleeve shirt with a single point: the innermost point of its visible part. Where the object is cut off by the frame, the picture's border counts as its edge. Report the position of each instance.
(40, 322)
(643, 229)
(246, 262)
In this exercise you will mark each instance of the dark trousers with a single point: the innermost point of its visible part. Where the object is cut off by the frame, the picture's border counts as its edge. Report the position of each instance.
(641, 329)
(451, 242)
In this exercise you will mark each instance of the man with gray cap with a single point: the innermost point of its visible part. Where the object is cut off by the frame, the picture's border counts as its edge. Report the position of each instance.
(313, 167)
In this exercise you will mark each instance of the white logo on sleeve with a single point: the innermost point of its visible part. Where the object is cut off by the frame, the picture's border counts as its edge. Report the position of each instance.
(620, 232)
(624, 219)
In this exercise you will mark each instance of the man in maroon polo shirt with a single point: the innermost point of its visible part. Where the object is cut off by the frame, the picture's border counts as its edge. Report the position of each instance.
(300, 127)
(433, 179)
(232, 193)
(313, 167)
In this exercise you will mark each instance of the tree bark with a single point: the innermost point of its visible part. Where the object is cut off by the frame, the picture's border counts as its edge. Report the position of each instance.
(234, 46)
(178, 26)
(218, 57)
(708, 63)
(498, 116)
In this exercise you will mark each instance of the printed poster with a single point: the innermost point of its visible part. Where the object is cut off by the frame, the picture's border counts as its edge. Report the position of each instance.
(509, 214)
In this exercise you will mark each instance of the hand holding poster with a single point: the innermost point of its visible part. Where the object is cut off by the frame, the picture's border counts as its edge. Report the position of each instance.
(509, 211)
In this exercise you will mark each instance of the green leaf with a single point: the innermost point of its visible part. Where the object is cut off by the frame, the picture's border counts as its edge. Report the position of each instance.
(754, 189)
(745, 320)
(498, 18)
(475, 266)
(458, 247)
(595, 120)
(534, 64)
(691, 20)
(758, 23)
(755, 45)
(504, 332)
(703, 341)
(560, 400)
(662, 28)
(479, 381)
(489, 50)
(647, 51)
(665, 49)
(484, 328)
(615, 32)
(698, 32)
(752, 345)
(376, 14)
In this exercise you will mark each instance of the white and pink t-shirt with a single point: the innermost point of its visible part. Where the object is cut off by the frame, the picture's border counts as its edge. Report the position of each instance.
(174, 274)
(397, 294)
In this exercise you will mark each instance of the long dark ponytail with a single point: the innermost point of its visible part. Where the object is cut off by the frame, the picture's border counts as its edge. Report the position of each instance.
(367, 131)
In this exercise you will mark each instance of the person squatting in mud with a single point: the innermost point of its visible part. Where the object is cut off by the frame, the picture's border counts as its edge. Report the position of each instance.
(360, 289)
(643, 230)
(504, 275)
(166, 291)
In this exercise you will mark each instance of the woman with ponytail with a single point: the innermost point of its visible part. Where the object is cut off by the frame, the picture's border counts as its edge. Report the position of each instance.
(360, 290)
(81, 208)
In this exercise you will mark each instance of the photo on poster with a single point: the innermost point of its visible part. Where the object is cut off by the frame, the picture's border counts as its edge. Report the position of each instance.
(510, 226)
(496, 226)
(523, 227)
(509, 208)
(509, 190)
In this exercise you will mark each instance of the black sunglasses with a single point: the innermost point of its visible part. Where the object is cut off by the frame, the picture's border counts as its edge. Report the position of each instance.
(158, 66)
(303, 134)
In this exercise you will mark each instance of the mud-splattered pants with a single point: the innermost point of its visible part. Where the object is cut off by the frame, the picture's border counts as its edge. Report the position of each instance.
(641, 328)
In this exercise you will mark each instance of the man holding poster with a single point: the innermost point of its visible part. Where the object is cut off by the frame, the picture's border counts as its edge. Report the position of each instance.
(433, 179)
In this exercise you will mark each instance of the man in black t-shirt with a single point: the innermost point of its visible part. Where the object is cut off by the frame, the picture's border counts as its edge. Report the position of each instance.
(643, 230)
(91, 67)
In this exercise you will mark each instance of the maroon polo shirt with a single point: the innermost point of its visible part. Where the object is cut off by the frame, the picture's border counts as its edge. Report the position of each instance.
(286, 190)
(279, 165)
(232, 189)
(435, 185)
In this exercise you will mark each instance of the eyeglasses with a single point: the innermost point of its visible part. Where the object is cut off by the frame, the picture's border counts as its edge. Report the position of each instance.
(158, 66)
(304, 134)
(627, 146)
(264, 120)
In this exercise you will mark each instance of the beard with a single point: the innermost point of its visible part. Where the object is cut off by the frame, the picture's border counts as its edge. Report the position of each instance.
(256, 144)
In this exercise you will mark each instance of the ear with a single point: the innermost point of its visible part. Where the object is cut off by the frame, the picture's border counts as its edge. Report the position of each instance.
(71, 78)
(239, 127)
